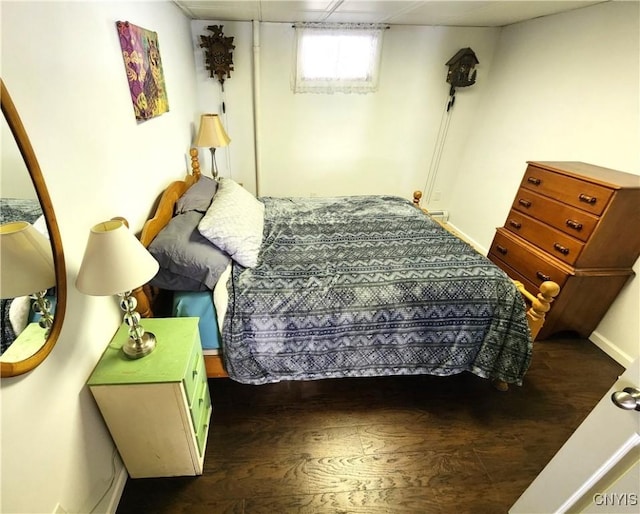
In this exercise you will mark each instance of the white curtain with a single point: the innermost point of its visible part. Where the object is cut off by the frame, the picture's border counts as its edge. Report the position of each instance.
(337, 58)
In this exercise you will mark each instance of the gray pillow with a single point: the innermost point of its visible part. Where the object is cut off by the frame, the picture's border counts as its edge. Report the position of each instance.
(198, 197)
(187, 258)
(170, 281)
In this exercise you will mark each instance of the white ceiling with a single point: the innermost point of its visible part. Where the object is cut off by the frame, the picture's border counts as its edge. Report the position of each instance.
(467, 13)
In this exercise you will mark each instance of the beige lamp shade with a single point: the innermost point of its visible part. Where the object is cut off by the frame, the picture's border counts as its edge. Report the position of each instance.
(211, 133)
(114, 261)
(26, 260)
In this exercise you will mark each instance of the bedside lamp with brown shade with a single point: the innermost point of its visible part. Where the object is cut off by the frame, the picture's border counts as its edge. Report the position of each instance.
(115, 262)
(26, 267)
(212, 135)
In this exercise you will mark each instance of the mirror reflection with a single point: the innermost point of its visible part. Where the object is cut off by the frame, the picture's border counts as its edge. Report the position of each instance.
(27, 285)
(32, 274)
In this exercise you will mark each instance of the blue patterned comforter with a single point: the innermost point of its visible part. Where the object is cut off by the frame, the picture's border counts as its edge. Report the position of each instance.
(365, 286)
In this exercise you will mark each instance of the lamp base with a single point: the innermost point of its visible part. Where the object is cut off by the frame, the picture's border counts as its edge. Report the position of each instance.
(214, 165)
(138, 349)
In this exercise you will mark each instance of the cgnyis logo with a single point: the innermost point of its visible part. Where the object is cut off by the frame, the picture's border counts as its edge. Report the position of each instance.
(615, 499)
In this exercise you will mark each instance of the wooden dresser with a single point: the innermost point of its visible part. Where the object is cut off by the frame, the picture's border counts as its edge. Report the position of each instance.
(578, 225)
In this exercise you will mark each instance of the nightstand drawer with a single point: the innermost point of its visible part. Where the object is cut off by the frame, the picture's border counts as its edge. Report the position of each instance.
(558, 244)
(194, 371)
(578, 193)
(196, 405)
(202, 425)
(519, 256)
(568, 219)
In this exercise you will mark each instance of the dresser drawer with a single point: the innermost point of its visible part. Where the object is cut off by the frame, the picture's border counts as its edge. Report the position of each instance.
(557, 243)
(519, 256)
(514, 275)
(568, 219)
(581, 194)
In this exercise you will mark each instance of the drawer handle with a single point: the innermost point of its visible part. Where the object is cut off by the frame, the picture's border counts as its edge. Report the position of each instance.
(562, 249)
(533, 180)
(501, 249)
(542, 276)
(587, 199)
(524, 203)
(574, 225)
(515, 224)
(194, 373)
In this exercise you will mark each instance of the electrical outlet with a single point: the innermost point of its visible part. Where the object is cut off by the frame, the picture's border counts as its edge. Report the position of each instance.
(59, 509)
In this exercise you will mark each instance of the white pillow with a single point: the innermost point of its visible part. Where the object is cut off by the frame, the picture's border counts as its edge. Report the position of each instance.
(234, 223)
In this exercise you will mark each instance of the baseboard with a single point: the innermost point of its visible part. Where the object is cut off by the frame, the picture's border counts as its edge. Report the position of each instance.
(481, 249)
(611, 349)
(113, 499)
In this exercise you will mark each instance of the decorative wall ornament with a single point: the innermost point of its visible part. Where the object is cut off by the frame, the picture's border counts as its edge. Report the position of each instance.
(461, 71)
(141, 55)
(461, 74)
(218, 53)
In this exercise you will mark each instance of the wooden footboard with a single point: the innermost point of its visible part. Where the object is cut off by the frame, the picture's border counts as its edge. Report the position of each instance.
(540, 304)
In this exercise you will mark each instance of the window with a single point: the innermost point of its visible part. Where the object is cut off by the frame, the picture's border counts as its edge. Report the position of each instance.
(333, 58)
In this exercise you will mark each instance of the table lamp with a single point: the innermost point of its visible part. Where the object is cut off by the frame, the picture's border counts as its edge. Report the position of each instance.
(26, 267)
(212, 135)
(115, 262)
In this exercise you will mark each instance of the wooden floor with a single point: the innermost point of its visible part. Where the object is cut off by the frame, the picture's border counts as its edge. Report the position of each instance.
(398, 444)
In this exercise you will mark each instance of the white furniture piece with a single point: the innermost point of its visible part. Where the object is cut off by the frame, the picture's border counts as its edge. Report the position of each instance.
(157, 408)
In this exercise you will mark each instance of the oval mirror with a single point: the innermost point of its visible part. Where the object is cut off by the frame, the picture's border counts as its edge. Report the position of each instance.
(26, 342)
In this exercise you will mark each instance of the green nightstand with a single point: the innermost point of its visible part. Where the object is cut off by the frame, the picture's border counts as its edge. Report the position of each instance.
(157, 408)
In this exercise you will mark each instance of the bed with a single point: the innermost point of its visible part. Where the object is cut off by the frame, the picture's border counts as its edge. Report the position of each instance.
(340, 287)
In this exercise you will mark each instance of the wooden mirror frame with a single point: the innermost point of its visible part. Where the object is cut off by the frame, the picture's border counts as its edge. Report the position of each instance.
(11, 369)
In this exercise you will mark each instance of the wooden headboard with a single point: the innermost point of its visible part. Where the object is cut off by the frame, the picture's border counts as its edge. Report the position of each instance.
(166, 206)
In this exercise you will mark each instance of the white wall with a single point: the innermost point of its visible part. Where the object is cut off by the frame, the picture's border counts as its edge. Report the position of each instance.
(563, 87)
(14, 177)
(344, 143)
(62, 64)
(363, 144)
